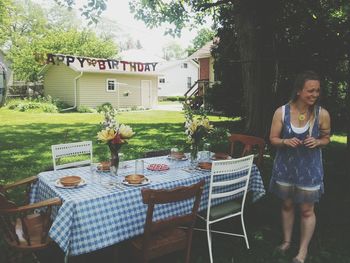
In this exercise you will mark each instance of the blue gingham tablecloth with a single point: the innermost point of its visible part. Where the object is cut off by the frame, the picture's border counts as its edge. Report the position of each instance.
(94, 216)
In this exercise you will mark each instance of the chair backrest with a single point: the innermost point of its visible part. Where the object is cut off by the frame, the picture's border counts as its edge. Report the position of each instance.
(69, 151)
(162, 196)
(22, 228)
(226, 189)
(156, 153)
(249, 143)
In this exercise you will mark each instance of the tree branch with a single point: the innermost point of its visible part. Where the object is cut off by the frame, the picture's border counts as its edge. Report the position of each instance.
(206, 6)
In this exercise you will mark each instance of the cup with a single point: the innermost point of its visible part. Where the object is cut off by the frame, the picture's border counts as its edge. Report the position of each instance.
(173, 152)
(139, 166)
(95, 176)
(206, 151)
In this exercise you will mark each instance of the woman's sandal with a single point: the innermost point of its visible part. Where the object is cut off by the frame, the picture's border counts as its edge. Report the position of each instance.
(283, 247)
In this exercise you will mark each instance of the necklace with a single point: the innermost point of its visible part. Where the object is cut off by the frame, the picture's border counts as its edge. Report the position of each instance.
(302, 116)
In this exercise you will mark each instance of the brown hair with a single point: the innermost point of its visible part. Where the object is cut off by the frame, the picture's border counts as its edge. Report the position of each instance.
(300, 82)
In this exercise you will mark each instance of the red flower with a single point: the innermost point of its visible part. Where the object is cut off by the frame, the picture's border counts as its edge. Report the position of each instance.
(117, 139)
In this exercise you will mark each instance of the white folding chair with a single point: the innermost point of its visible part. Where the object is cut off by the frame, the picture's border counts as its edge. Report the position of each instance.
(233, 191)
(70, 151)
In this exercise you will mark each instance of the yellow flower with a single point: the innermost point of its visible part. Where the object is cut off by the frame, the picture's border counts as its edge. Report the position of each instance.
(106, 135)
(206, 124)
(125, 131)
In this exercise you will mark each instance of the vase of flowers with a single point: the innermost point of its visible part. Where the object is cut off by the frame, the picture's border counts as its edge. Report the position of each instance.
(197, 128)
(114, 135)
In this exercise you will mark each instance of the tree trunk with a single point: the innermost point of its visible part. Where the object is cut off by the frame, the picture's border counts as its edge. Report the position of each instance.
(256, 72)
(347, 103)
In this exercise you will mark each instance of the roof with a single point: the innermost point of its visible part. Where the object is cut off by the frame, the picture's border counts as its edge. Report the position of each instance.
(204, 52)
(140, 55)
(169, 64)
(100, 65)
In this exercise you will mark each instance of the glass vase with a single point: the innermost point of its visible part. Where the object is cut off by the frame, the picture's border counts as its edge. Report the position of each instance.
(114, 163)
(194, 154)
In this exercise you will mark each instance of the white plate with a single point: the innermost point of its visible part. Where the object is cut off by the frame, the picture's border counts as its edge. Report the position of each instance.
(58, 184)
(144, 182)
(204, 170)
(215, 159)
(182, 159)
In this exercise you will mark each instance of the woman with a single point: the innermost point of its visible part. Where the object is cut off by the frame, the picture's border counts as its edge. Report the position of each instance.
(298, 130)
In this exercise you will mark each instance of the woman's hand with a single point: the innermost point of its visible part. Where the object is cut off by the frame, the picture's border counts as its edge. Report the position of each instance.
(311, 142)
(292, 142)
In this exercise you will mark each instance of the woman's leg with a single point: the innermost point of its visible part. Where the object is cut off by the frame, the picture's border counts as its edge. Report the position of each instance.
(287, 214)
(307, 227)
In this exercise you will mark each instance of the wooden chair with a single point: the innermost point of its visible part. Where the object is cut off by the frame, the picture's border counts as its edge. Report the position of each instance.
(156, 153)
(249, 143)
(25, 228)
(164, 236)
(72, 151)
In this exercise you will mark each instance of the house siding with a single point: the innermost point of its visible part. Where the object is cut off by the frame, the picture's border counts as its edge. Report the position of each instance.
(59, 83)
(92, 90)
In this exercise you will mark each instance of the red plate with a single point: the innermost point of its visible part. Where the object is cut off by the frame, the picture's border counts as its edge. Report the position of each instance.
(157, 167)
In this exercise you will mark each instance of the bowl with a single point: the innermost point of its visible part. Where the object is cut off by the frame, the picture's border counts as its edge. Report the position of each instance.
(72, 180)
(221, 156)
(104, 166)
(177, 155)
(204, 165)
(135, 178)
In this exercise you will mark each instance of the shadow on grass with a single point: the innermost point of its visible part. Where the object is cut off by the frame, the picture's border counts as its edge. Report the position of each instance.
(26, 150)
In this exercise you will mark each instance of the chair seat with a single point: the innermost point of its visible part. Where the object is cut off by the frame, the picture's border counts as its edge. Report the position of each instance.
(163, 242)
(222, 210)
(35, 228)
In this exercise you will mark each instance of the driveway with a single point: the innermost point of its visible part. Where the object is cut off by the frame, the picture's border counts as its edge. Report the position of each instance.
(169, 107)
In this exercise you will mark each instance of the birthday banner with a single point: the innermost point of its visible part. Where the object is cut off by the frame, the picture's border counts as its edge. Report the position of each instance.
(101, 64)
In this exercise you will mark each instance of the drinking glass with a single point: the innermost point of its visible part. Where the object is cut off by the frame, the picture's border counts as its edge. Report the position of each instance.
(139, 166)
(95, 176)
(173, 152)
(206, 151)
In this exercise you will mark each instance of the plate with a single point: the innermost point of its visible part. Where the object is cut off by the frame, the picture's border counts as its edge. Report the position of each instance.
(145, 182)
(158, 167)
(58, 184)
(182, 159)
(204, 170)
(220, 159)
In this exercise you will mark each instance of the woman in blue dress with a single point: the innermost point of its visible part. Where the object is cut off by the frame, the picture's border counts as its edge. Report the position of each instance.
(299, 129)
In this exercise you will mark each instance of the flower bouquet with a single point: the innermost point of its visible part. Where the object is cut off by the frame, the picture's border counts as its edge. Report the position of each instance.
(197, 128)
(114, 135)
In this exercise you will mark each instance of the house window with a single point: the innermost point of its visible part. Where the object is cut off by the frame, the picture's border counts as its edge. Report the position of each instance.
(189, 82)
(161, 80)
(111, 85)
(184, 65)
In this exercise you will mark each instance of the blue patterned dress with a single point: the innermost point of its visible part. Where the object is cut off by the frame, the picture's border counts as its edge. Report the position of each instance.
(298, 172)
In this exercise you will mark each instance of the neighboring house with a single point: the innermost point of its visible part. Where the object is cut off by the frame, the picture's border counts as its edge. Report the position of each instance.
(5, 77)
(206, 62)
(177, 77)
(92, 81)
(206, 78)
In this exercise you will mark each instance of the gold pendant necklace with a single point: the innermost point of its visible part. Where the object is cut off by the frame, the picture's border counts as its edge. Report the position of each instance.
(301, 116)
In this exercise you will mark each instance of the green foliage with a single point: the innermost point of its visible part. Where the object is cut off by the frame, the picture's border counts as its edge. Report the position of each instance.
(175, 98)
(32, 105)
(173, 51)
(85, 109)
(204, 36)
(31, 34)
(218, 139)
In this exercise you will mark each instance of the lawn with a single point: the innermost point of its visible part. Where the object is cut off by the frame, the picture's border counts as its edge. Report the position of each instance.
(25, 140)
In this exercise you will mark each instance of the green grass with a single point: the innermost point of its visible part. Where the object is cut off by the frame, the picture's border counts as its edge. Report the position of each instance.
(25, 140)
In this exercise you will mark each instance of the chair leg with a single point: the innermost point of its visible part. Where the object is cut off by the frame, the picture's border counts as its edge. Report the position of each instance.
(209, 243)
(189, 243)
(244, 232)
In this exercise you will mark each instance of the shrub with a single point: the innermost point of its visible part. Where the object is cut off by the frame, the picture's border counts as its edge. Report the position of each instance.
(38, 104)
(85, 109)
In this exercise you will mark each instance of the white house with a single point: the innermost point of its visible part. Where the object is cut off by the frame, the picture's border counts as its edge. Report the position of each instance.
(177, 77)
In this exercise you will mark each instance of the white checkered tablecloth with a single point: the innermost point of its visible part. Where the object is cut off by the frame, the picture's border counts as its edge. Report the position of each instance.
(94, 216)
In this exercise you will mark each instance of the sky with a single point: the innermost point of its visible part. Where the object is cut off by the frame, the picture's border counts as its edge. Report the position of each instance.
(151, 40)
